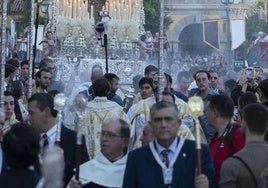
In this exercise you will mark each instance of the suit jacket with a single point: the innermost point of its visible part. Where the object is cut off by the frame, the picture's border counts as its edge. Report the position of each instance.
(143, 171)
(68, 144)
(16, 178)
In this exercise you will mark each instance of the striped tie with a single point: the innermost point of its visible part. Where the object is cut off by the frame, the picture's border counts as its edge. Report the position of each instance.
(165, 157)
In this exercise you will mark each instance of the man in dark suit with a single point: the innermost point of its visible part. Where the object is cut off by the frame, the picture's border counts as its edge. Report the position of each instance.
(21, 148)
(168, 161)
(2, 157)
(43, 117)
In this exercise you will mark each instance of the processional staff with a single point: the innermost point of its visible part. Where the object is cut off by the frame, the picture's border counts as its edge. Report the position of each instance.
(36, 33)
(3, 52)
(161, 51)
(31, 56)
(80, 104)
(196, 106)
(59, 103)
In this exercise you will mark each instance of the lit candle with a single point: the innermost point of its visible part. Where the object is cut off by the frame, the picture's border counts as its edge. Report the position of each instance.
(116, 6)
(64, 8)
(86, 10)
(118, 11)
(127, 12)
(112, 9)
(124, 14)
(130, 6)
(74, 9)
(80, 13)
(67, 10)
(77, 8)
(122, 7)
(107, 6)
(91, 12)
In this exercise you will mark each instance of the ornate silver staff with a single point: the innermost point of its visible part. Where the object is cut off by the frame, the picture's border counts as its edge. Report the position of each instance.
(80, 104)
(59, 104)
(196, 106)
(161, 51)
(31, 66)
(3, 51)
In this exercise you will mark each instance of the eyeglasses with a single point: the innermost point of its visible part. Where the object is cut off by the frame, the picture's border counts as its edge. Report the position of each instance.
(109, 135)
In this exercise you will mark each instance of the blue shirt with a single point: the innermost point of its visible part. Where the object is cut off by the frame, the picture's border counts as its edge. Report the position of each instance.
(172, 148)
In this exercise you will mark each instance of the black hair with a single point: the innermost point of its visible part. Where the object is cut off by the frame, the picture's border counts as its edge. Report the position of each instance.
(110, 77)
(101, 87)
(202, 71)
(9, 69)
(168, 78)
(17, 89)
(21, 146)
(223, 104)
(247, 98)
(44, 100)
(44, 63)
(256, 117)
(148, 69)
(167, 93)
(263, 86)
(230, 84)
(146, 80)
(25, 62)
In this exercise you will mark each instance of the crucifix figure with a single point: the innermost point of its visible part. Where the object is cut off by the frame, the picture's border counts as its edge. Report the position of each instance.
(97, 4)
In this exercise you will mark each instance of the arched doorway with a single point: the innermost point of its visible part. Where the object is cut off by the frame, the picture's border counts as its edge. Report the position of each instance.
(191, 41)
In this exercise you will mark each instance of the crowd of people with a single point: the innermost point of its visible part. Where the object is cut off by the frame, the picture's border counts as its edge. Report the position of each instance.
(144, 141)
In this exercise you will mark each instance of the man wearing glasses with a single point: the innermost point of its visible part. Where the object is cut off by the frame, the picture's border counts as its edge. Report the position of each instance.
(107, 168)
(169, 160)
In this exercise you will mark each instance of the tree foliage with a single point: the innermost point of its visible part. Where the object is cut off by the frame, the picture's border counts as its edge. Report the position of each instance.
(152, 16)
(24, 18)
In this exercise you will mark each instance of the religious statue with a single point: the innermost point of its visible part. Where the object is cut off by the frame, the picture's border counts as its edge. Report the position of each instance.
(49, 45)
(98, 4)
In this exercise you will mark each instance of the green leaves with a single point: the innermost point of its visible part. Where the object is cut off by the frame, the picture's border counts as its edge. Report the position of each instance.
(152, 15)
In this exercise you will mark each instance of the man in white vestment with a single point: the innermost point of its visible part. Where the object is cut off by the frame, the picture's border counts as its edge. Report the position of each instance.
(98, 111)
(107, 168)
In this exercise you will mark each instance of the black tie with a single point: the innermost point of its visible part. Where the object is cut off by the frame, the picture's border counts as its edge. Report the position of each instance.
(165, 157)
(45, 143)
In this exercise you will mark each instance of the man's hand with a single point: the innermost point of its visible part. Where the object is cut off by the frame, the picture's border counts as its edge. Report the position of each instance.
(201, 181)
(75, 184)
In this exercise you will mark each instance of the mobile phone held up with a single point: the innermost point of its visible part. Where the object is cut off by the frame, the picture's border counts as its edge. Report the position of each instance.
(249, 74)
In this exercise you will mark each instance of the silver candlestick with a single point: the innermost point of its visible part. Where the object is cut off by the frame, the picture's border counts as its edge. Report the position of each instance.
(59, 104)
